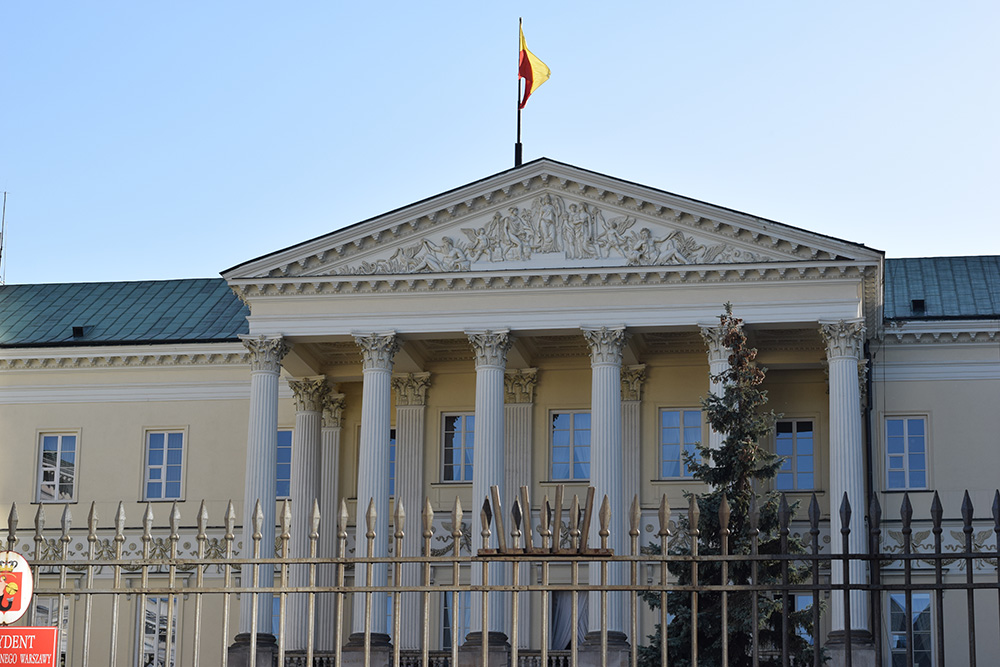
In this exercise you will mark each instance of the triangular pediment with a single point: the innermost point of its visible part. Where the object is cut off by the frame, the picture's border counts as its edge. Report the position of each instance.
(548, 216)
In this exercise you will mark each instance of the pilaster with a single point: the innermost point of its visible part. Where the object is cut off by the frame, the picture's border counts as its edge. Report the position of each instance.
(718, 362)
(329, 505)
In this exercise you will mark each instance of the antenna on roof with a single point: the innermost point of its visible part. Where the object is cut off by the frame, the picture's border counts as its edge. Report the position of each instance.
(3, 228)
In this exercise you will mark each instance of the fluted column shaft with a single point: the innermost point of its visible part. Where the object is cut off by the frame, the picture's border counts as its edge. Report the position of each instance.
(606, 474)
(718, 362)
(377, 351)
(490, 348)
(844, 342)
(260, 483)
(632, 379)
(519, 406)
(411, 406)
(329, 506)
(309, 394)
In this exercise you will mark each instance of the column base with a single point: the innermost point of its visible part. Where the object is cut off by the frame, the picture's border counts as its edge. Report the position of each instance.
(470, 654)
(267, 650)
(619, 653)
(353, 654)
(862, 649)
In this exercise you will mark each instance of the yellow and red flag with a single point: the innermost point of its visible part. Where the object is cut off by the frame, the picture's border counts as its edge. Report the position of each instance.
(532, 70)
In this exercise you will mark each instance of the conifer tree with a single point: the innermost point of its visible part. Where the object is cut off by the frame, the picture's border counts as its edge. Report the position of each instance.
(735, 470)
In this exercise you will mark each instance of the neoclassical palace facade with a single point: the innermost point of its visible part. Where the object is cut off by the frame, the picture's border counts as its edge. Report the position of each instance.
(544, 326)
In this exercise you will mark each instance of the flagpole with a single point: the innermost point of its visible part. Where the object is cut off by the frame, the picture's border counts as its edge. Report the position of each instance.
(517, 145)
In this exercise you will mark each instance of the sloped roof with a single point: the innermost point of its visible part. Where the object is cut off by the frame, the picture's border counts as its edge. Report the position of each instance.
(949, 288)
(162, 311)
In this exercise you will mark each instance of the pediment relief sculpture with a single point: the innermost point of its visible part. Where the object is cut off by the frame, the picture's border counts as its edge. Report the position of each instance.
(551, 225)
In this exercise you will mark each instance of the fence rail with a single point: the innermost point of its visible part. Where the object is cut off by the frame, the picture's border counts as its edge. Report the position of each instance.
(535, 562)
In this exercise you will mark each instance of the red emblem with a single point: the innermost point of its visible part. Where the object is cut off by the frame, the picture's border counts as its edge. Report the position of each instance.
(16, 586)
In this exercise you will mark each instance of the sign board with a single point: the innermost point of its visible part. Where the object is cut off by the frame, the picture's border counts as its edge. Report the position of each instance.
(29, 646)
(16, 586)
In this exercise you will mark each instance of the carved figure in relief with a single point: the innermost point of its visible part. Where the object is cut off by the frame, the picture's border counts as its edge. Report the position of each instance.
(641, 250)
(446, 257)
(678, 249)
(580, 241)
(548, 240)
(481, 244)
(616, 236)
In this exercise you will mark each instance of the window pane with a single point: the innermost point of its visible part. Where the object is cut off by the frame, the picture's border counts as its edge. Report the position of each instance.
(916, 443)
(560, 454)
(894, 427)
(50, 443)
(671, 468)
(153, 490)
(783, 427)
(175, 440)
(173, 474)
(581, 439)
(806, 480)
(916, 461)
(804, 427)
(805, 464)
(581, 454)
(896, 480)
(174, 457)
(692, 418)
(783, 482)
(560, 438)
(918, 480)
(670, 419)
(783, 447)
(581, 420)
(560, 420)
(69, 443)
(156, 457)
(156, 440)
(804, 445)
(895, 445)
(560, 471)
(671, 452)
(173, 490)
(915, 426)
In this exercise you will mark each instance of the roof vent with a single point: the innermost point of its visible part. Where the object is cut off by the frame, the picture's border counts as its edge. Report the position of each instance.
(917, 306)
(78, 331)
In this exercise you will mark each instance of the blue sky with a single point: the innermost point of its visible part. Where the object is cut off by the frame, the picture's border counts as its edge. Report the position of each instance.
(171, 140)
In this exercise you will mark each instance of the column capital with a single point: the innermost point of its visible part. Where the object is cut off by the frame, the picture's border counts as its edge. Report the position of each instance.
(266, 352)
(606, 344)
(411, 388)
(713, 336)
(309, 392)
(490, 347)
(632, 379)
(843, 339)
(377, 350)
(519, 385)
(333, 410)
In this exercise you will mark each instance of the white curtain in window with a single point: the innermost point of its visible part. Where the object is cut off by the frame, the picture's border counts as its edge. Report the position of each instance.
(562, 619)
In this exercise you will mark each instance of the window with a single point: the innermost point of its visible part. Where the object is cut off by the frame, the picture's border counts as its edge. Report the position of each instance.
(459, 432)
(793, 441)
(571, 445)
(803, 602)
(46, 614)
(457, 620)
(680, 431)
(283, 489)
(164, 465)
(57, 467)
(906, 453)
(155, 625)
(919, 620)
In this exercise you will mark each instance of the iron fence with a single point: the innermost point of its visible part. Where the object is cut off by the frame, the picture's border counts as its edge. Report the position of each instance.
(914, 564)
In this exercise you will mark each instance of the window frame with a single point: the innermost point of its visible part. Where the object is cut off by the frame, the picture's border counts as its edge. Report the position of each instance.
(892, 634)
(278, 479)
(793, 460)
(147, 465)
(685, 473)
(40, 464)
(906, 470)
(465, 434)
(572, 446)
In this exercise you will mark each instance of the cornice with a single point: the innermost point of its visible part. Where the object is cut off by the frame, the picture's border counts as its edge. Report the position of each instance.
(561, 278)
(145, 356)
(941, 332)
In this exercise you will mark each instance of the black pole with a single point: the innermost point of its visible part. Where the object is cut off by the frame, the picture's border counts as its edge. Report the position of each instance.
(517, 145)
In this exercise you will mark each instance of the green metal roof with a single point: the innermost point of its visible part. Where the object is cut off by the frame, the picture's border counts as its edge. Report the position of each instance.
(945, 287)
(153, 311)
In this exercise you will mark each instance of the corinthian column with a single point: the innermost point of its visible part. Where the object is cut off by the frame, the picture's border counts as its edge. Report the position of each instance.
(718, 362)
(266, 354)
(377, 351)
(633, 378)
(519, 405)
(309, 393)
(490, 348)
(329, 501)
(410, 391)
(844, 342)
(606, 472)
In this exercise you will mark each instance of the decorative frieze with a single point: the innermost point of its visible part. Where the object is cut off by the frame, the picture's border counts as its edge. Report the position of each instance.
(633, 378)
(490, 347)
(411, 388)
(843, 338)
(266, 352)
(519, 385)
(37, 361)
(309, 393)
(552, 224)
(377, 350)
(606, 344)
